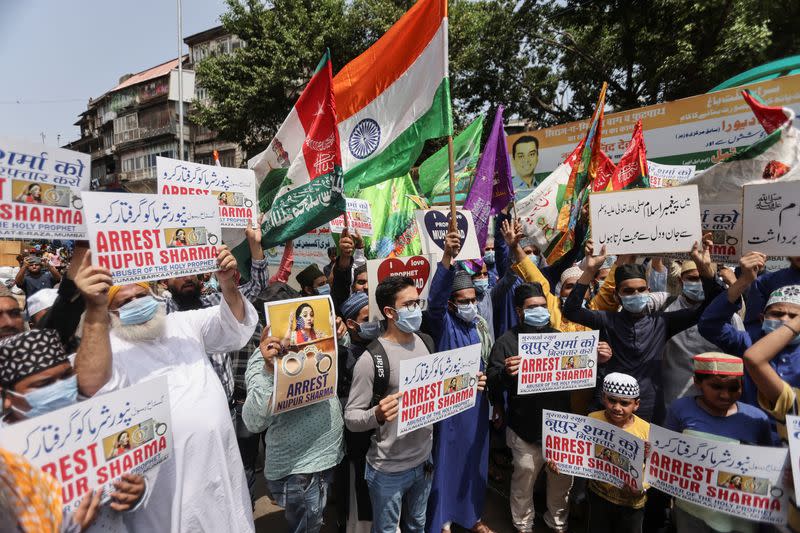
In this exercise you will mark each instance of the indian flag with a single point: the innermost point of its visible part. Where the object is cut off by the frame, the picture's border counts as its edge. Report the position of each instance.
(393, 97)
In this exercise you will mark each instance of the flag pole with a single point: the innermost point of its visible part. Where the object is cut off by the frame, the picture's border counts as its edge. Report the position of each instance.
(452, 183)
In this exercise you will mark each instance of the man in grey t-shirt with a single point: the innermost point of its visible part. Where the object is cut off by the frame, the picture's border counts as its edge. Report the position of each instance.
(398, 468)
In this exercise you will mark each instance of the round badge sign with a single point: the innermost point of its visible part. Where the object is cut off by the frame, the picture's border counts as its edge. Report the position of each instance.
(364, 139)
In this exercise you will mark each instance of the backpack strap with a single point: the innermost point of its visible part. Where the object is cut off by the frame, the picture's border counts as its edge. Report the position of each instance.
(667, 303)
(380, 361)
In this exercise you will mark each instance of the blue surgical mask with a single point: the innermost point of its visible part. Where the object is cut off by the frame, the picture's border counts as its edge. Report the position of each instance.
(488, 257)
(467, 312)
(138, 311)
(369, 330)
(769, 325)
(694, 291)
(536, 259)
(324, 289)
(60, 394)
(481, 285)
(537, 317)
(409, 320)
(635, 303)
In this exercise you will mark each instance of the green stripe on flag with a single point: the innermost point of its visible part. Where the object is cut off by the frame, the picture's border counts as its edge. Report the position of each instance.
(397, 158)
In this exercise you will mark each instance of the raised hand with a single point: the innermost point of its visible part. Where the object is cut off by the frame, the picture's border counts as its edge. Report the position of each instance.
(594, 262)
(93, 282)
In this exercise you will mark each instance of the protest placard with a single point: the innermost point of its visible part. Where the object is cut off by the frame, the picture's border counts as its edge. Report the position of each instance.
(40, 191)
(793, 434)
(437, 386)
(234, 189)
(587, 447)
(772, 218)
(307, 374)
(92, 443)
(433, 225)
(646, 221)
(143, 237)
(359, 217)
(669, 175)
(741, 480)
(724, 223)
(419, 268)
(307, 249)
(557, 361)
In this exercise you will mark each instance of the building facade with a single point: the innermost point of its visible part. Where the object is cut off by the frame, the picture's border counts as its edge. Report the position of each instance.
(125, 129)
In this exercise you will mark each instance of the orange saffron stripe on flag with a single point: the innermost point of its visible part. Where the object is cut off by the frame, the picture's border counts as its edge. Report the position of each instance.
(367, 76)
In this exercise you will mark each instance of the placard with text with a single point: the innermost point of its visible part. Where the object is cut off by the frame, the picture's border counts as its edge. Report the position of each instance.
(437, 386)
(144, 237)
(359, 218)
(593, 449)
(40, 191)
(737, 479)
(418, 267)
(557, 361)
(234, 189)
(793, 434)
(646, 221)
(90, 444)
(772, 218)
(434, 224)
(669, 175)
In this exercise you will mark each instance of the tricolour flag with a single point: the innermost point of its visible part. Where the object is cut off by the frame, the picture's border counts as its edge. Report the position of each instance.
(631, 171)
(434, 172)
(394, 229)
(394, 96)
(299, 175)
(492, 175)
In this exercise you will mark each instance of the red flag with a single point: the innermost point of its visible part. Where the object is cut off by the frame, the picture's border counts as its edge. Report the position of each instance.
(631, 172)
(605, 169)
(770, 117)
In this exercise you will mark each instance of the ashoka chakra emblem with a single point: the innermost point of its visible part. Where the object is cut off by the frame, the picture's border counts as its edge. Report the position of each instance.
(364, 138)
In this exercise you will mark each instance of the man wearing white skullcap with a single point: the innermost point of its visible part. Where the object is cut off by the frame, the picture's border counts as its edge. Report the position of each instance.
(39, 304)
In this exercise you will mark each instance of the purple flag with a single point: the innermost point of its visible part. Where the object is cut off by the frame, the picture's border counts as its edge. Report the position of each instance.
(491, 189)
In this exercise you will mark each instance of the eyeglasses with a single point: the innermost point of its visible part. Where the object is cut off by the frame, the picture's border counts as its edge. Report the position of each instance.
(413, 305)
(12, 313)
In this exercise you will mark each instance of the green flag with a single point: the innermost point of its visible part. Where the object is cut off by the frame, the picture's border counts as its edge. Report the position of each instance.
(434, 173)
(394, 229)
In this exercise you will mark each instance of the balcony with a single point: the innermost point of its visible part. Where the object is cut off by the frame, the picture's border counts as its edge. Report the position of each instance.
(138, 175)
(145, 133)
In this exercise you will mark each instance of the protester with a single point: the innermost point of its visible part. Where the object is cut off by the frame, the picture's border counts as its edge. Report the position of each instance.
(344, 279)
(612, 509)
(31, 278)
(39, 304)
(302, 446)
(36, 378)
(637, 338)
(127, 339)
(11, 321)
(312, 281)
(524, 432)
(460, 475)
(399, 468)
(763, 287)
(327, 269)
(716, 414)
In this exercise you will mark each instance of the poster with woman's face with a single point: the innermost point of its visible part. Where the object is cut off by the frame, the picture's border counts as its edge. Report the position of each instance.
(307, 372)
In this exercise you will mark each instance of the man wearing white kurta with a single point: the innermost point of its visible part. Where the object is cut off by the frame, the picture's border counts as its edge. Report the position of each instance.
(202, 487)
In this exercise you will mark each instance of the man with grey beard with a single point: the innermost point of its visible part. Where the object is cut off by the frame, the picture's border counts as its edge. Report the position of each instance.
(127, 339)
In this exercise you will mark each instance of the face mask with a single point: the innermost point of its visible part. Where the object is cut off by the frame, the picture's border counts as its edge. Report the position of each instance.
(409, 320)
(694, 290)
(635, 303)
(771, 325)
(54, 396)
(481, 285)
(535, 258)
(537, 317)
(489, 257)
(138, 311)
(467, 312)
(369, 330)
(324, 289)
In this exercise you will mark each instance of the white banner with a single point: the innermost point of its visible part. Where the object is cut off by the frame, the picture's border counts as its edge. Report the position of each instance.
(92, 443)
(309, 248)
(437, 386)
(233, 188)
(144, 237)
(590, 448)
(646, 221)
(557, 361)
(741, 480)
(359, 217)
(669, 175)
(40, 191)
(772, 218)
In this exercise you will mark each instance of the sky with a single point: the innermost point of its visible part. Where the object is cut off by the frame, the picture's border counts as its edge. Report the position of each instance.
(55, 54)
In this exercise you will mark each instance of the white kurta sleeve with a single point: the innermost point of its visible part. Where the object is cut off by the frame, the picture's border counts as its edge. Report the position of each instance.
(222, 332)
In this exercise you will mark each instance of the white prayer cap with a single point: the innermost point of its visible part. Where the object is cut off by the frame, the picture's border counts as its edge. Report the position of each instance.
(621, 385)
(41, 300)
(789, 294)
(571, 272)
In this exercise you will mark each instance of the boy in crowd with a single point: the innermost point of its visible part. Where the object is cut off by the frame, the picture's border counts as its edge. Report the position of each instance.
(612, 509)
(716, 414)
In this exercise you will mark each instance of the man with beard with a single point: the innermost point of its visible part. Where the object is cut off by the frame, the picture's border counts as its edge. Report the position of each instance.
(11, 321)
(205, 474)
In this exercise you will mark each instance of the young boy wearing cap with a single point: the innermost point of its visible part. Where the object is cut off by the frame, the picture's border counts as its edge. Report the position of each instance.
(716, 414)
(612, 509)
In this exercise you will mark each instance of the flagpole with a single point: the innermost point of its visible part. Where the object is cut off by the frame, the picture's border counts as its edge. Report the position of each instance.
(452, 183)
(180, 81)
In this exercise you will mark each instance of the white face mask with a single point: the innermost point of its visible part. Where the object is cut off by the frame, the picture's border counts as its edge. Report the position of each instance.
(467, 312)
